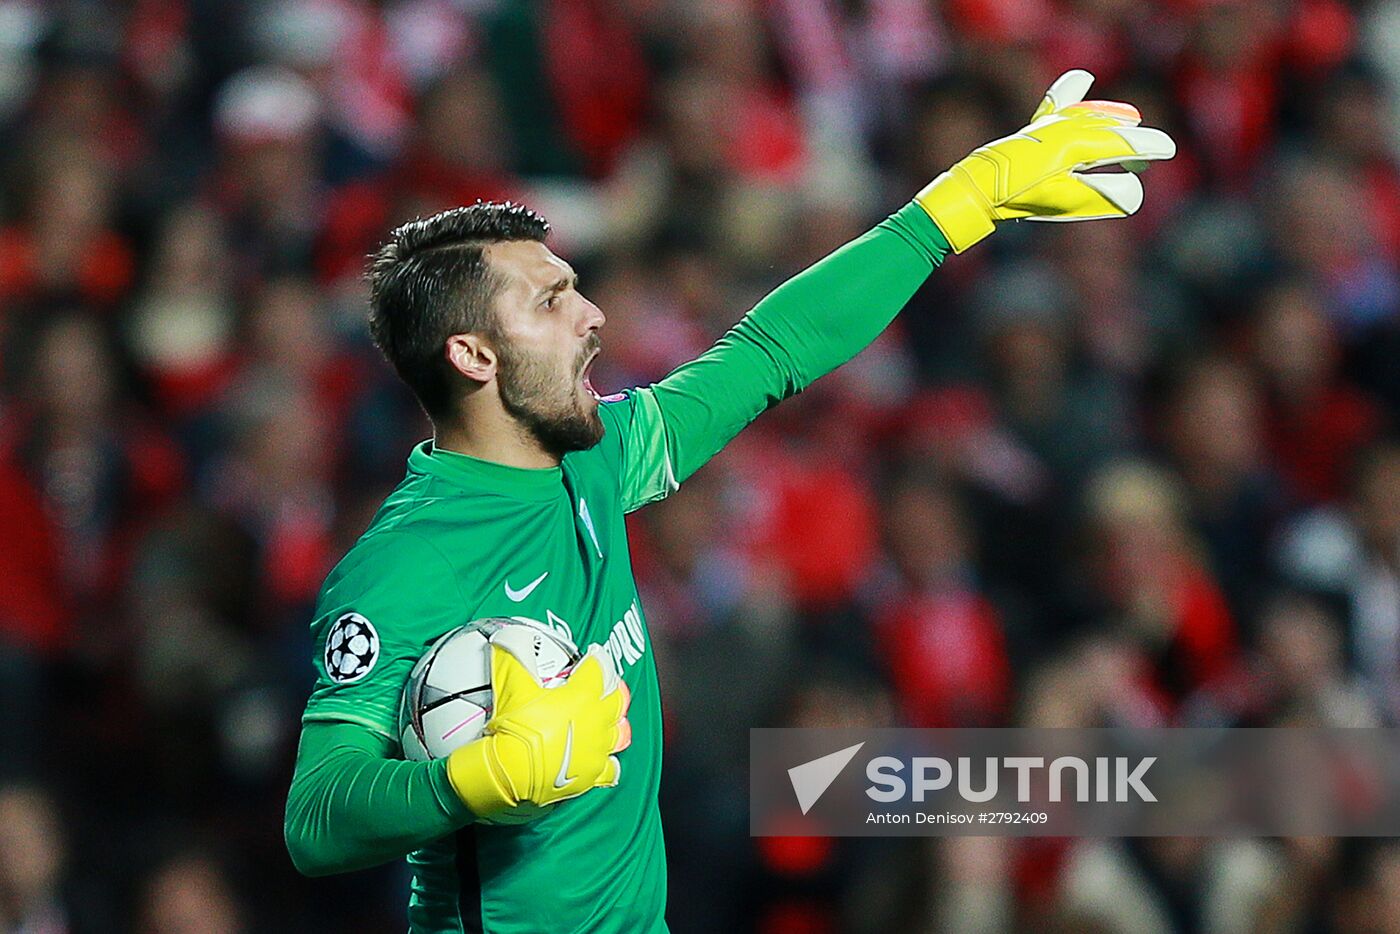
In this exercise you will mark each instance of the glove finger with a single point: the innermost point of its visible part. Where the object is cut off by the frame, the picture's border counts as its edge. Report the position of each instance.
(626, 697)
(1069, 88)
(1123, 189)
(611, 774)
(1065, 197)
(1148, 143)
(624, 735)
(519, 642)
(606, 714)
(511, 682)
(1124, 113)
(1096, 145)
(587, 679)
(1073, 218)
(607, 668)
(1080, 122)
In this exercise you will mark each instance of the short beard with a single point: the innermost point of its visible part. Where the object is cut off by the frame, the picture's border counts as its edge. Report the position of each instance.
(529, 393)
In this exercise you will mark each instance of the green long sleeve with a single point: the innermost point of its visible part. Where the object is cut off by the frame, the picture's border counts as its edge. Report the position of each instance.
(352, 805)
(807, 327)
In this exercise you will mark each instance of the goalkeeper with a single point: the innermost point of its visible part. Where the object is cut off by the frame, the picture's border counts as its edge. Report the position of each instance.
(516, 506)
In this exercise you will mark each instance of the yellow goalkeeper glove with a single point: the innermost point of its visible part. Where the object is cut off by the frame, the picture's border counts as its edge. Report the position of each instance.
(1039, 173)
(543, 745)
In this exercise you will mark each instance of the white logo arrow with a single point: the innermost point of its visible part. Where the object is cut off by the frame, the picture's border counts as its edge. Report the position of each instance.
(810, 780)
(562, 778)
(523, 592)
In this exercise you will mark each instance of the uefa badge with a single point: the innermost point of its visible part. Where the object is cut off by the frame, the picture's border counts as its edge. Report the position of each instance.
(352, 648)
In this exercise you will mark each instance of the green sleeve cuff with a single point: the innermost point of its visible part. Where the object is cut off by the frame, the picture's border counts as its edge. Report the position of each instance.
(448, 799)
(913, 224)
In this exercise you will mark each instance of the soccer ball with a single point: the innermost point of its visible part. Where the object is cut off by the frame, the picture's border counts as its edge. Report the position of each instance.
(447, 700)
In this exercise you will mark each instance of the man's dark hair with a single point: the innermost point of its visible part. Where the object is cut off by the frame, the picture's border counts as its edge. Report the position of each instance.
(430, 281)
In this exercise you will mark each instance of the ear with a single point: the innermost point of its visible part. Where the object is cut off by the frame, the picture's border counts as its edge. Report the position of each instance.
(471, 356)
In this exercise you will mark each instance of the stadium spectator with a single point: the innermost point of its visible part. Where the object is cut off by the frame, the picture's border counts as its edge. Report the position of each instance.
(1151, 588)
(941, 639)
(32, 863)
(1315, 423)
(190, 893)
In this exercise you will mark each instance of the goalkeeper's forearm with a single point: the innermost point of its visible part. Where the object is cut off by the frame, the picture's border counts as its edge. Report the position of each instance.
(808, 326)
(351, 806)
(829, 312)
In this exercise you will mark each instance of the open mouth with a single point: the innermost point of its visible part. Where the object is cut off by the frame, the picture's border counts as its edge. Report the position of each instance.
(587, 375)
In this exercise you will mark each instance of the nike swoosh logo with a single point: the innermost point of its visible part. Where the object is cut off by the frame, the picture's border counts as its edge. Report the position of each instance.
(523, 592)
(562, 778)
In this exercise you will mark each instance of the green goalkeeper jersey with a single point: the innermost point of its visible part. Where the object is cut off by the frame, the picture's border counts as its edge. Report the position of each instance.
(462, 538)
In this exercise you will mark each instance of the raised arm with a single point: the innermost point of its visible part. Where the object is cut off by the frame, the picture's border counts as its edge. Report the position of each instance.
(828, 313)
(805, 328)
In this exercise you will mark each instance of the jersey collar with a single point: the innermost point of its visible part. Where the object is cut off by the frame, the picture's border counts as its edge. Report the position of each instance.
(484, 476)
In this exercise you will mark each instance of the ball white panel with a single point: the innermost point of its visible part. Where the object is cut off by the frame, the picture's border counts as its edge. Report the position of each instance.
(462, 662)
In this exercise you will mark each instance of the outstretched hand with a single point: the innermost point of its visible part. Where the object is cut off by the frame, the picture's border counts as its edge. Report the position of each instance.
(1043, 172)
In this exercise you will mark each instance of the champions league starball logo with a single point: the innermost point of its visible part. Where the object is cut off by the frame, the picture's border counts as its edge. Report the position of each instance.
(352, 648)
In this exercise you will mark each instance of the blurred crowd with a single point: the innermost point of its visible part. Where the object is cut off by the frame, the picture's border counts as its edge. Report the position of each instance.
(1137, 472)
